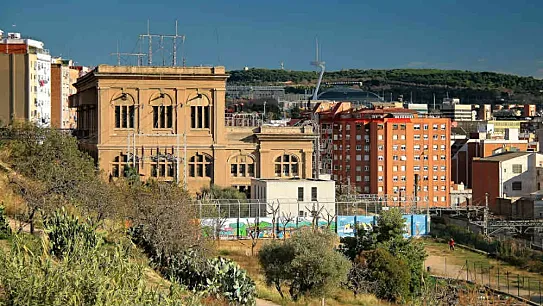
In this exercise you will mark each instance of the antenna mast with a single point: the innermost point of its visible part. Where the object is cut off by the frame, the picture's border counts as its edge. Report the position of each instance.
(118, 54)
(321, 65)
(149, 36)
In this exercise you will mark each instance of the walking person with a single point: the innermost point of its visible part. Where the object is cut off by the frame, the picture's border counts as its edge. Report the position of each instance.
(451, 244)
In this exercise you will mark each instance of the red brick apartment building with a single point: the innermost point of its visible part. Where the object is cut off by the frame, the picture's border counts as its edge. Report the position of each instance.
(384, 151)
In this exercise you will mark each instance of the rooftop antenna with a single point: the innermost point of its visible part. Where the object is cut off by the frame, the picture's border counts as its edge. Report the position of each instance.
(321, 65)
(118, 54)
(161, 37)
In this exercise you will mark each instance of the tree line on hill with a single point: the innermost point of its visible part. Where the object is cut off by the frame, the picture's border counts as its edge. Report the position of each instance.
(482, 87)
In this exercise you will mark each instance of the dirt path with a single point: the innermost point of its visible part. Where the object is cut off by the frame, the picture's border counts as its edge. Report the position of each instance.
(260, 302)
(465, 265)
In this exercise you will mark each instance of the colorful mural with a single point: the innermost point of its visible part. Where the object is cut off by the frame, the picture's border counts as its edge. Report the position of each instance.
(233, 228)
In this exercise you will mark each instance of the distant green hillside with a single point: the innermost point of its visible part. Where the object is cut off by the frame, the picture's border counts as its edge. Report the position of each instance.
(471, 87)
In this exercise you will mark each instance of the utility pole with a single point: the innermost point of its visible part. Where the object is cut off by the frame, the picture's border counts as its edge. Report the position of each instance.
(486, 215)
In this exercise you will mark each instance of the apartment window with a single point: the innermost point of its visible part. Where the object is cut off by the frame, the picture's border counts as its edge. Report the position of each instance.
(443, 137)
(516, 185)
(366, 148)
(359, 157)
(395, 157)
(379, 126)
(286, 165)
(335, 136)
(124, 116)
(314, 193)
(359, 147)
(435, 178)
(403, 147)
(394, 137)
(416, 147)
(379, 137)
(402, 127)
(442, 147)
(443, 178)
(426, 127)
(335, 147)
(417, 157)
(394, 178)
(443, 188)
(425, 157)
(366, 178)
(416, 127)
(435, 199)
(162, 117)
(403, 178)
(395, 147)
(199, 117)
(402, 137)
(300, 194)
(366, 168)
(435, 168)
(358, 137)
(380, 179)
(443, 199)
(358, 127)
(434, 147)
(380, 148)
(379, 189)
(416, 137)
(443, 168)
(394, 168)
(443, 157)
(358, 168)
(425, 137)
(380, 168)
(443, 126)
(366, 157)
(394, 126)
(416, 168)
(425, 188)
(435, 137)
(425, 168)
(435, 157)
(359, 178)
(517, 168)
(425, 178)
(434, 127)
(402, 168)
(380, 158)
(347, 127)
(200, 165)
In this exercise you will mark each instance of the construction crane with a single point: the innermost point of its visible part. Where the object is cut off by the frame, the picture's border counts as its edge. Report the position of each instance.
(321, 65)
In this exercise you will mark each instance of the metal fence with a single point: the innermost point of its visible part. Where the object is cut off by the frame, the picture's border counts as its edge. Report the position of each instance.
(523, 285)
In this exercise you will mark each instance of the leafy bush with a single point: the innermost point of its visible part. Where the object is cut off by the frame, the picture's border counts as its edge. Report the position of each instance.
(308, 263)
(31, 275)
(66, 233)
(390, 274)
(5, 229)
(215, 276)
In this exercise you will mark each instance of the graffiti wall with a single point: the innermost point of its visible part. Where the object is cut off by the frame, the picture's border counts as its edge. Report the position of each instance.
(234, 228)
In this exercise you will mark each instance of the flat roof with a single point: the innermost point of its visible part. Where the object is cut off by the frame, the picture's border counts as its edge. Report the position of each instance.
(503, 156)
(294, 179)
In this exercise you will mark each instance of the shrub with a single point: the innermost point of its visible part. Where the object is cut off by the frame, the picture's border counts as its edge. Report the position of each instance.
(214, 276)
(66, 233)
(390, 274)
(308, 263)
(5, 229)
(30, 275)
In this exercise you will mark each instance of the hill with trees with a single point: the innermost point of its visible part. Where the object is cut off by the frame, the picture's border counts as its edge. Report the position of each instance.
(422, 84)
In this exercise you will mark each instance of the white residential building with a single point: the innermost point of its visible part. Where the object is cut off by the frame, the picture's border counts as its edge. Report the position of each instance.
(296, 196)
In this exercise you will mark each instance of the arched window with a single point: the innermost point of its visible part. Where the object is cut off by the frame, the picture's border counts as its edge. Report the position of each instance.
(163, 166)
(200, 165)
(162, 111)
(242, 166)
(121, 165)
(200, 112)
(286, 166)
(124, 111)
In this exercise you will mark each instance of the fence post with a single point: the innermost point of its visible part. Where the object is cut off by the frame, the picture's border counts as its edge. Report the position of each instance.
(467, 271)
(498, 278)
(507, 279)
(239, 216)
(518, 285)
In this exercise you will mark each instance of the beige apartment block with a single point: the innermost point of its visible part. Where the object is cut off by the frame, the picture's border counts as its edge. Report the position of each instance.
(169, 124)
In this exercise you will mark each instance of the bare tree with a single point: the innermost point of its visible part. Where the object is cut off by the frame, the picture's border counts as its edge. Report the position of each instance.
(315, 212)
(254, 233)
(285, 220)
(273, 210)
(329, 217)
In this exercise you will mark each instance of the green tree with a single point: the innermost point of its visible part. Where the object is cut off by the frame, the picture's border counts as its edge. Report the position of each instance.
(308, 261)
(390, 274)
(390, 225)
(5, 229)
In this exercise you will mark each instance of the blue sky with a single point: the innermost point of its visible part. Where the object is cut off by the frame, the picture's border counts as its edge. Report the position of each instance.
(490, 35)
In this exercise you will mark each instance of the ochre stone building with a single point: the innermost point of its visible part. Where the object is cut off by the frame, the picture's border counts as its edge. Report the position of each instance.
(168, 123)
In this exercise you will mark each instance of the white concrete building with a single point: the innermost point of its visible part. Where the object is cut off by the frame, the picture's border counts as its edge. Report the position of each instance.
(296, 196)
(451, 108)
